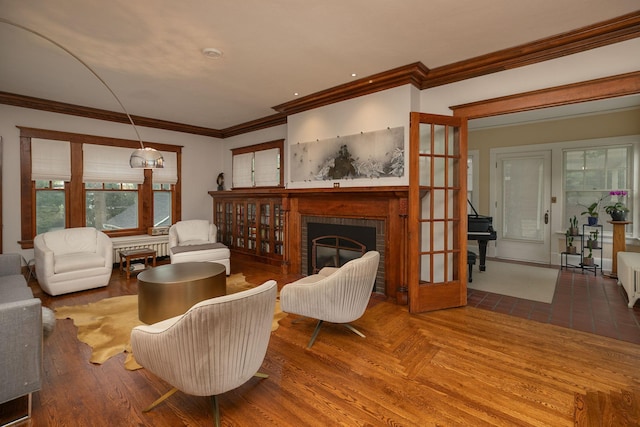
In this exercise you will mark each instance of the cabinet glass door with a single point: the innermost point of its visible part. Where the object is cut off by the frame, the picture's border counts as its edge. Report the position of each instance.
(265, 228)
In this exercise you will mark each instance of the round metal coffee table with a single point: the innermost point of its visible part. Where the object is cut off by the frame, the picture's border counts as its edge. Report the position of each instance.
(170, 290)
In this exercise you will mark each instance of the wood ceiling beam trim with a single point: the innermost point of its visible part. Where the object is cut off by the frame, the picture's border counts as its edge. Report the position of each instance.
(591, 90)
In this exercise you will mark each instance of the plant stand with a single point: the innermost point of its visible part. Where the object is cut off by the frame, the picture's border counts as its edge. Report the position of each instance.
(586, 231)
(619, 244)
(571, 259)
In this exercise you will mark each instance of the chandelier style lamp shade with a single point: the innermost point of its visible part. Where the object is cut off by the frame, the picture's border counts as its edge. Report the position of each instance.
(143, 157)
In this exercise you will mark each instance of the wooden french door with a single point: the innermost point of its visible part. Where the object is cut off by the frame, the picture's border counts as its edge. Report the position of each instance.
(437, 244)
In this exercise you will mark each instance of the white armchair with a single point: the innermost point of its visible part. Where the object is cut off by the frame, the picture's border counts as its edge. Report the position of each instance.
(73, 259)
(337, 295)
(195, 240)
(216, 346)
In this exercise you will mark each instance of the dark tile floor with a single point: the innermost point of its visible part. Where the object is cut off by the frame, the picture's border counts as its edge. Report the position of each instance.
(582, 301)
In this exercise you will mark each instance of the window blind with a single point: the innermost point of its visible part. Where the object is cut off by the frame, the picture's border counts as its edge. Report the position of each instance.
(267, 167)
(102, 163)
(50, 160)
(243, 170)
(169, 173)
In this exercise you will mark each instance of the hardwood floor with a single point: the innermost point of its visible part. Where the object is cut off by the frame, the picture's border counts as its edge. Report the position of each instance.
(464, 366)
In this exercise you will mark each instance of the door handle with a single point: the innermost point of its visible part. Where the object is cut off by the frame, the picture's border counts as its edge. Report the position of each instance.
(546, 217)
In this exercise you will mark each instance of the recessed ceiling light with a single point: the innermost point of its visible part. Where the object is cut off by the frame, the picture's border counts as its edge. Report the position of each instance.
(295, 94)
(212, 52)
(353, 74)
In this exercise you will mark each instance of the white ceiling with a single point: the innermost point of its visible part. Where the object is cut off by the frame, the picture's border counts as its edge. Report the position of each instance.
(149, 51)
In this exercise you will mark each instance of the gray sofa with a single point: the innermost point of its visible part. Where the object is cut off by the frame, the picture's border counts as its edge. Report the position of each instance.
(20, 333)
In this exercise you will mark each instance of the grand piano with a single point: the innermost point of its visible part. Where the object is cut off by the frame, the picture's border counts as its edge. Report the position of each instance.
(480, 228)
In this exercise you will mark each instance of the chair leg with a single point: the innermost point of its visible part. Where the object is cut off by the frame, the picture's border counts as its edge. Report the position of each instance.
(315, 334)
(160, 400)
(354, 330)
(216, 410)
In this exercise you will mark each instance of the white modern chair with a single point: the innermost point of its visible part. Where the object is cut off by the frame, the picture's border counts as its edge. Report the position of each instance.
(196, 240)
(73, 259)
(216, 346)
(337, 295)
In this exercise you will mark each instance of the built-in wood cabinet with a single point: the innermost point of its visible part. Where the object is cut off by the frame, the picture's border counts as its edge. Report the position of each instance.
(251, 226)
(269, 225)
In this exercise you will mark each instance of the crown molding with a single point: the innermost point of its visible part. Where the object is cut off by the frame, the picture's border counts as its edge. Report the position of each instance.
(417, 74)
(604, 33)
(409, 74)
(591, 90)
(254, 125)
(99, 114)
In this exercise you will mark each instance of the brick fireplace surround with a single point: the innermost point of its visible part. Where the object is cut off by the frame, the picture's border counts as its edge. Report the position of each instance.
(363, 222)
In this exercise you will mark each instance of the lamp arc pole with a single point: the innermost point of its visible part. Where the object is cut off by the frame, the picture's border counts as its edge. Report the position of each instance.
(144, 157)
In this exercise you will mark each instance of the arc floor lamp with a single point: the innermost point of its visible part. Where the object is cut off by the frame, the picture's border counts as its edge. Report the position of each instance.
(143, 157)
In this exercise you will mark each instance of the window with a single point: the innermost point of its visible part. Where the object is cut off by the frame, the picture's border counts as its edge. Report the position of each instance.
(73, 180)
(589, 176)
(50, 209)
(258, 165)
(162, 205)
(110, 190)
(164, 181)
(111, 206)
(51, 168)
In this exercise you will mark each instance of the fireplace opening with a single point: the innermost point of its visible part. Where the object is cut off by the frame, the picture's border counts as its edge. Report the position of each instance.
(334, 251)
(331, 244)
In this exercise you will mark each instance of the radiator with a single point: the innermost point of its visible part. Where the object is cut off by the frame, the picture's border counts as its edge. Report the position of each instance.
(160, 244)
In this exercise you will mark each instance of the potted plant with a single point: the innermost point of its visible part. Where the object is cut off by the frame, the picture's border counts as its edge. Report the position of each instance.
(588, 259)
(573, 226)
(594, 239)
(592, 212)
(617, 210)
(570, 248)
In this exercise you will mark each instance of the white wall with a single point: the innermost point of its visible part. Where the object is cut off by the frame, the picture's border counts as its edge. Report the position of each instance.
(201, 161)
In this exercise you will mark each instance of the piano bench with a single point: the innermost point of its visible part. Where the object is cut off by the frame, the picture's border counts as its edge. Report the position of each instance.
(471, 261)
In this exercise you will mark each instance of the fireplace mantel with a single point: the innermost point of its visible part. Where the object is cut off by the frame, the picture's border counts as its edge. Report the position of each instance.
(387, 204)
(386, 191)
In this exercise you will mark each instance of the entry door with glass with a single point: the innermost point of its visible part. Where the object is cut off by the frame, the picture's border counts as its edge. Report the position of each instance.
(523, 206)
